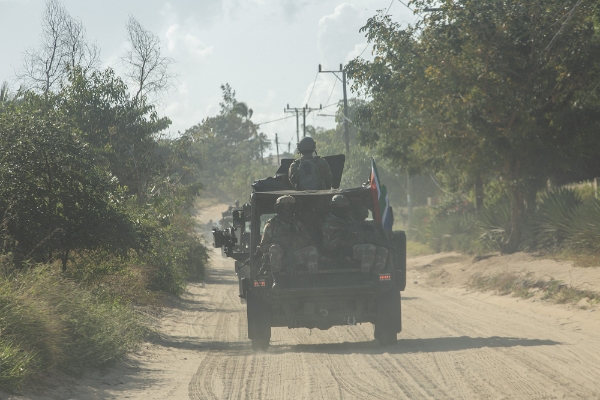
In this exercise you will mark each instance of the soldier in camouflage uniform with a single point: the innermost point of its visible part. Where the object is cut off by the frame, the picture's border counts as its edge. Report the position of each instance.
(371, 235)
(286, 241)
(309, 172)
(346, 240)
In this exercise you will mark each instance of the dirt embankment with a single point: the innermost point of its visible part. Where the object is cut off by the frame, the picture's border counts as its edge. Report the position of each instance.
(532, 278)
(456, 343)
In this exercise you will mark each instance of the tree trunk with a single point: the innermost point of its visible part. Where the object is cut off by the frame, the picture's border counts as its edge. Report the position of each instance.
(478, 193)
(513, 239)
(65, 259)
(531, 197)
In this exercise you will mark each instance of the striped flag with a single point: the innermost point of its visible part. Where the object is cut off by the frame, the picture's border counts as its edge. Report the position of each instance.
(382, 212)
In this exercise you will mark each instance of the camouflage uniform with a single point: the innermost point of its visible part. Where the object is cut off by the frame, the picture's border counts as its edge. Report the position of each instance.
(346, 233)
(323, 171)
(282, 238)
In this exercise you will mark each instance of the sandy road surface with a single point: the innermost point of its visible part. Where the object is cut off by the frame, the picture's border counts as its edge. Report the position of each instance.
(455, 345)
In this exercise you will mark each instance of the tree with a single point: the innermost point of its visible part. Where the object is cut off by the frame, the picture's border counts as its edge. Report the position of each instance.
(63, 46)
(228, 147)
(480, 87)
(54, 198)
(123, 132)
(147, 69)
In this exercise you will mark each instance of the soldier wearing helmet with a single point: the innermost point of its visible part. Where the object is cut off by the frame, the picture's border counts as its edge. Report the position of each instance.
(286, 242)
(345, 239)
(309, 172)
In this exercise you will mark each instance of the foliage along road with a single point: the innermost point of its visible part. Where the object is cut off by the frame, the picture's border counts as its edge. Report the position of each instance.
(455, 345)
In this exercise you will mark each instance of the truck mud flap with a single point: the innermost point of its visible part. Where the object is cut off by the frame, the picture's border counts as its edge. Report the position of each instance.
(259, 317)
(389, 314)
(399, 240)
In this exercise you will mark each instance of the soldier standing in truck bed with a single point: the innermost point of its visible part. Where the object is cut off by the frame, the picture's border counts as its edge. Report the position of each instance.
(286, 241)
(345, 239)
(309, 172)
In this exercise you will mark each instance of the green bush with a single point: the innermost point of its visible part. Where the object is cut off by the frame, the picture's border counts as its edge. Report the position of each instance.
(583, 230)
(494, 223)
(442, 231)
(560, 219)
(554, 216)
(453, 232)
(418, 230)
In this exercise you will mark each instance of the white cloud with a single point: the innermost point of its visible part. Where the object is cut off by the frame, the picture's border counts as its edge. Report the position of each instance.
(323, 88)
(179, 40)
(360, 49)
(339, 34)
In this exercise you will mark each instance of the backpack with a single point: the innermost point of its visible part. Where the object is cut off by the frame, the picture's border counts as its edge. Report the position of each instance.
(308, 175)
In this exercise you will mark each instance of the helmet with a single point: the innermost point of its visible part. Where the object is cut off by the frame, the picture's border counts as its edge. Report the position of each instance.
(339, 201)
(307, 144)
(284, 200)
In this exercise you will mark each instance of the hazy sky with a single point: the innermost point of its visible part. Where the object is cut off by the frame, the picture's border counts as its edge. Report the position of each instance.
(267, 50)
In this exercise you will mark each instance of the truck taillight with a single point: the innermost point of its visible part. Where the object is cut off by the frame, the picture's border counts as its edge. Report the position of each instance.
(260, 283)
(385, 277)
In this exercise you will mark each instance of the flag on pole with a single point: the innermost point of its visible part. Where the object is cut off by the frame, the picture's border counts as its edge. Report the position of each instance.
(382, 212)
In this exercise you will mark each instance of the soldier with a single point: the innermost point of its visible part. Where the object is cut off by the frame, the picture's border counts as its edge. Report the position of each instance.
(345, 239)
(309, 172)
(286, 238)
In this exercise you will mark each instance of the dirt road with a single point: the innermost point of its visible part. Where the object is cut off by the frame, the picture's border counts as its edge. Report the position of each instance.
(455, 345)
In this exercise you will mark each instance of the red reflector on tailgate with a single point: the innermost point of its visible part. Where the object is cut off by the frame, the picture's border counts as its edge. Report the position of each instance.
(260, 283)
(385, 277)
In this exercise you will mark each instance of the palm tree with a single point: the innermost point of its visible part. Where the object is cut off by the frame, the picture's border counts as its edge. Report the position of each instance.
(6, 97)
(4, 92)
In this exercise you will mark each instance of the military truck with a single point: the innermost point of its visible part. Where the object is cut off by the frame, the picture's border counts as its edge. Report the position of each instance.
(234, 241)
(339, 293)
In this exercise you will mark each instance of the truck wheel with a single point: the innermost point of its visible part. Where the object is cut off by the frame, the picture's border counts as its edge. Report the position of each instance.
(389, 319)
(259, 322)
(387, 338)
(261, 344)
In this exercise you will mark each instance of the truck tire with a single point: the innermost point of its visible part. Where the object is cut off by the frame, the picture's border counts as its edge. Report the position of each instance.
(261, 344)
(259, 322)
(389, 318)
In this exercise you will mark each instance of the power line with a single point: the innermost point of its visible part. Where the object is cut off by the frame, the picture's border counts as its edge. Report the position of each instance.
(334, 83)
(313, 88)
(386, 13)
(343, 79)
(275, 120)
(404, 4)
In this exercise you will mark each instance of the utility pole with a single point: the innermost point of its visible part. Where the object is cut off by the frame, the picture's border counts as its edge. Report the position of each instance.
(277, 146)
(294, 110)
(289, 147)
(305, 110)
(408, 199)
(343, 79)
(262, 160)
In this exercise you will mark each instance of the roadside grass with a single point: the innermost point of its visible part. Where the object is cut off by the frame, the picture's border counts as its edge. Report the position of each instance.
(526, 286)
(584, 259)
(50, 322)
(113, 278)
(414, 249)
